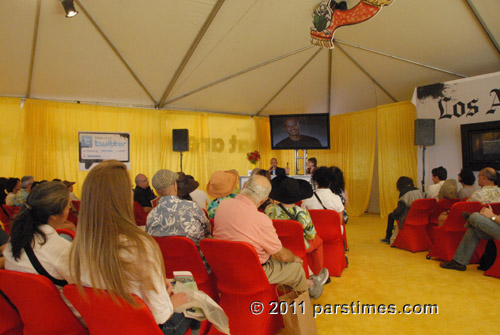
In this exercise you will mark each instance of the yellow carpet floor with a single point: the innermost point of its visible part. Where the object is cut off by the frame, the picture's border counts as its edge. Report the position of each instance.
(467, 302)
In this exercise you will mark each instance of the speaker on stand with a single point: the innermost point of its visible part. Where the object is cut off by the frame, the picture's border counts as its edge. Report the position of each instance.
(425, 135)
(180, 141)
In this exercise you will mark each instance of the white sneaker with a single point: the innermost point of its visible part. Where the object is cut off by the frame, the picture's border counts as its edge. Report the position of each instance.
(322, 277)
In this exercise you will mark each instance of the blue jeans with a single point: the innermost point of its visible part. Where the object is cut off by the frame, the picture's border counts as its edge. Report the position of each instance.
(178, 324)
(481, 227)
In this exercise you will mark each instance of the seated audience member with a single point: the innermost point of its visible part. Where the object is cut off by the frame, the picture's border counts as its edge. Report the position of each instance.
(467, 179)
(323, 197)
(312, 165)
(338, 188)
(201, 198)
(173, 216)
(185, 185)
(265, 173)
(110, 252)
(407, 194)
(3, 193)
(448, 190)
(4, 238)
(285, 193)
(34, 233)
(482, 225)
(222, 185)
(275, 170)
(489, 191)
(143, 193)
(22, 195)
(439, 176)
(12, 187)
(280, 265)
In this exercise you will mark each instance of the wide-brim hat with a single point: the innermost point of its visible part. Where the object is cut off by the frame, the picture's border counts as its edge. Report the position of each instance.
(222, 183)
(290, 190)
(185, 184)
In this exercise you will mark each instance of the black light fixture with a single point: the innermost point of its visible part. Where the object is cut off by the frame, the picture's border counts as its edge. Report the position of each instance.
(69, 8)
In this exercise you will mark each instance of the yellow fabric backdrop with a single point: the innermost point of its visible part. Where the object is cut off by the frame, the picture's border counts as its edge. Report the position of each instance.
(397, 154)
(41, 139)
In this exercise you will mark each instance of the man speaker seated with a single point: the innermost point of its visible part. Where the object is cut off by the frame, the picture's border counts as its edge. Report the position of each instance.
(143, 193)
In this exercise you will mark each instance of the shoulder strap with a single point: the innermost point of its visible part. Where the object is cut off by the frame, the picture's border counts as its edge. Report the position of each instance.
(40, 269)
(320, 202)
(290, 215)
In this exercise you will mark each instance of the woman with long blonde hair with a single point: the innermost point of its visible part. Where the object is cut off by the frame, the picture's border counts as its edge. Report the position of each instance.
(110, 252)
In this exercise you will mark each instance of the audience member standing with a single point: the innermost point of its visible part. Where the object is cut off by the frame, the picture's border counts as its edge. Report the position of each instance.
(439, 176)
(143, 193)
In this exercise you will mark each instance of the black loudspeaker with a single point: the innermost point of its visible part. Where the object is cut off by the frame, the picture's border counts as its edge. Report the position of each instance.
(425, 132)
(180, 139)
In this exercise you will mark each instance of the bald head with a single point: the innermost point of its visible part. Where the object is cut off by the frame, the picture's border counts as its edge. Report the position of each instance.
(257, 189)
(142, 181)
(487, 177)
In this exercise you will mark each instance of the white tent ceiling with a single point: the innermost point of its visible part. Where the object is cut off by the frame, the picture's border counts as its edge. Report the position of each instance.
(239, 56)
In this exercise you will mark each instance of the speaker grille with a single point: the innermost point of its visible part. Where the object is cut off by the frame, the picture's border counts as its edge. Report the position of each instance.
(425, 132)
(180, 139)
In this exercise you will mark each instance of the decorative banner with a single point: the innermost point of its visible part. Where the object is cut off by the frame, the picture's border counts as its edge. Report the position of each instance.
(95, 147)
(330, 15)
(465, 99)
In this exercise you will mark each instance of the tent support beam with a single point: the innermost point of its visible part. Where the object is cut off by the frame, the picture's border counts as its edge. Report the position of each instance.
(330, 56)
(289, 81)
(190, 51)
(484, 25)
(400, 58)
(33, 49)
(239, 73)
(365, 72)
(115, 50)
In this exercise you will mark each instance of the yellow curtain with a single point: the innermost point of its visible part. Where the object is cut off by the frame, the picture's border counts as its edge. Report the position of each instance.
(397, 155)
(12, 125)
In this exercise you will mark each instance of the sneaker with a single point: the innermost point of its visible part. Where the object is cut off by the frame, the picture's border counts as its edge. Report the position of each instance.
(453, 266)
(321, 277)
(316, 290)
(385, 240)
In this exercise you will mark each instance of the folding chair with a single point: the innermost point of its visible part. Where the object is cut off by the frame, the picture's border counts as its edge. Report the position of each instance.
(413, 237)
(105, 316)
(242, 281)
(39, 302)
(139, 214)
(291, 235)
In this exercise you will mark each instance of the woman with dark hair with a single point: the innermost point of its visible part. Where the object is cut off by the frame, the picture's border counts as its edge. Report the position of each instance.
(338, 187)
(323, 197)
(312, 165)
(467, 179)
(407, 194)
(33, 234)
(12, 186)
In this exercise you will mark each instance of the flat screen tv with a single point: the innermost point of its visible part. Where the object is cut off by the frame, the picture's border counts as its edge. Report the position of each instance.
(481, 145)
(300, 131)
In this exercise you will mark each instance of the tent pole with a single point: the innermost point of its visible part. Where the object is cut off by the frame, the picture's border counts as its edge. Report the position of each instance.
(33, 49)
(330, 53)
(484, 25)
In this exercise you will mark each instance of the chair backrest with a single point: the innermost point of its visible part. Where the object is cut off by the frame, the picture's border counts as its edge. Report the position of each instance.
(236, 266)
(420, 211)
(68, 232)
(105, 316)
(10, 320)
(11, 210)
(181, 254)
(291, 235)
(76, 205)
(441, 206)
(495, 206)
(327, 223)
(139, 214)
(4, 216)
(455, 221)
(40, 304)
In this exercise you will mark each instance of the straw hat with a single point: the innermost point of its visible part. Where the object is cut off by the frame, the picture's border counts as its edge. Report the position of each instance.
(222, 183)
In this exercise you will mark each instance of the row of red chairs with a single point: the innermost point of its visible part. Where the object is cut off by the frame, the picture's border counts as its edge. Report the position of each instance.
(420, 234)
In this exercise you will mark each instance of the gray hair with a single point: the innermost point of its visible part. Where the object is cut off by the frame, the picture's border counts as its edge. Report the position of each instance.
(257, 187)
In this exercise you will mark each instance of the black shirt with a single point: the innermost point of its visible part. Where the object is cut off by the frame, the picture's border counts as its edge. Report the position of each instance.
(144, 196)
(304, 142)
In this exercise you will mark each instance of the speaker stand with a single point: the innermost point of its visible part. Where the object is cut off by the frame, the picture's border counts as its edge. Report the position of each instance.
(181, 159)
(423, 169)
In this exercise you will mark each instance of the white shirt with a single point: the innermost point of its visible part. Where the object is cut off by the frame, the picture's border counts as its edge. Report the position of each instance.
(433, 190)
(200, 197)
(9, 199)
(329, 199)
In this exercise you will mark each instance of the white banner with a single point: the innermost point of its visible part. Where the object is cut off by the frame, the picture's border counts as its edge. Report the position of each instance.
(94, 147)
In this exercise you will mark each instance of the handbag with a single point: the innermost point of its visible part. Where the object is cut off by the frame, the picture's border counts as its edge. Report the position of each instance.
(297, 313)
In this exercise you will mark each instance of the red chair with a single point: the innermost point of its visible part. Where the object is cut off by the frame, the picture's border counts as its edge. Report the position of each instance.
(139, 214)
(494, 270)
(68, 232)
(11, 211)
(291, 235)
(10, 321)
(441, 206)
(72, 218)
(76, 205)
(39, 302)
(5, 222)
(448, 236)
(212, 225)
(241, 281)
(181, 254)
(205, 212)
(328, 226)
(105, 316)
(413, 236)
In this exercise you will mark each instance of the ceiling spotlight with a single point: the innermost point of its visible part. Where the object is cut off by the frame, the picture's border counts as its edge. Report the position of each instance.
(69, 8)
